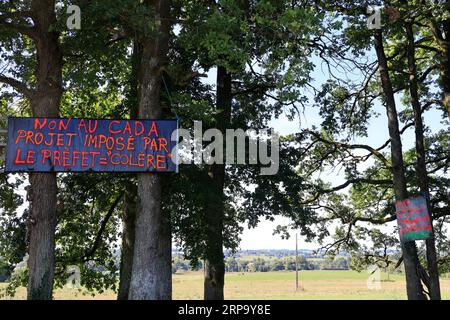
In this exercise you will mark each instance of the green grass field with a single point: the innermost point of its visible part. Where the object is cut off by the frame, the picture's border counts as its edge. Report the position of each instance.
(314, 285)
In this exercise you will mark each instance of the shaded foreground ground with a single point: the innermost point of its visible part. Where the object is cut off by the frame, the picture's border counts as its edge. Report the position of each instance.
(314, 285)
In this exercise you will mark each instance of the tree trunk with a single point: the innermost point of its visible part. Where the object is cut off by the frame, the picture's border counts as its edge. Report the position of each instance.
(214, 265)
(42, 223)
(434, 289)
(214, 258)
(152, 271)
(442, 37)
(446, 78)
(444, 42)
(445, 70)
(413, 284)
(44, 103)
(126, 260)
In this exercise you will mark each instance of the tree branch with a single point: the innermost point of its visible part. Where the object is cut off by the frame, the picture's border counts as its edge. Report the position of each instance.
(29, 31)
(440, 212)
(372, 151)
(345, 185)
(99, 235)
(17, 85)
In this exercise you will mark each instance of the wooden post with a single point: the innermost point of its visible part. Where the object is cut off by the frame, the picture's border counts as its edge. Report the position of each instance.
(296, 262)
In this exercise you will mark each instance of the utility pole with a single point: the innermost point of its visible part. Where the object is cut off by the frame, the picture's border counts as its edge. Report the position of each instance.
(296, 262)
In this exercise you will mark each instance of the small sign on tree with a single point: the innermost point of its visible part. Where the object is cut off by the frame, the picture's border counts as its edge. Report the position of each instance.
(413, 219)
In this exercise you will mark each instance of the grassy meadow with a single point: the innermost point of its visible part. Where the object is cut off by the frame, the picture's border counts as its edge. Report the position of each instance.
(314, 285)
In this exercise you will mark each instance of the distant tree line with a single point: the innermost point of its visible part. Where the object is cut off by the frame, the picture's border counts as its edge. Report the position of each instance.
(268, 264)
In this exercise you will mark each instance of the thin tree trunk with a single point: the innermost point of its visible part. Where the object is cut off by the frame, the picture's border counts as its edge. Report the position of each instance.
(126, 260)
(44, 103)
(152, 271)
(445, 64)
(442, 38)
(413, 284)
(214, 265)
(214, 258)
(434, 289)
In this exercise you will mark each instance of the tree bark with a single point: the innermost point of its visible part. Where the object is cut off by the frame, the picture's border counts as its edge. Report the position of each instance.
(214, 257)
(44, 103)
(411, 261)
(442, 37)
(152, 272)
(445, 65)
(128, 235)
(434, 289)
